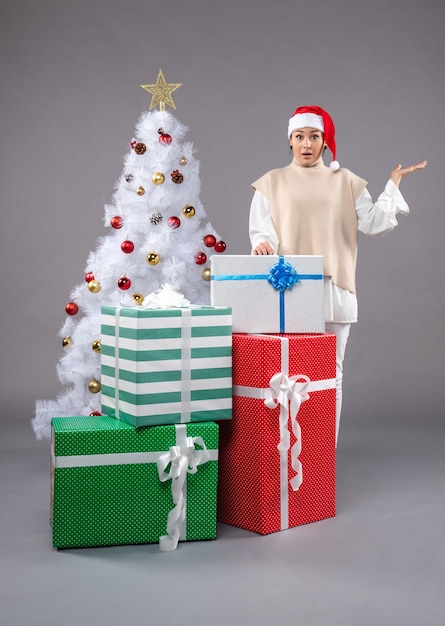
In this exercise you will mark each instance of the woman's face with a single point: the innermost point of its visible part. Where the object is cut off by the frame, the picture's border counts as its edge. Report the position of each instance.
(307, 145)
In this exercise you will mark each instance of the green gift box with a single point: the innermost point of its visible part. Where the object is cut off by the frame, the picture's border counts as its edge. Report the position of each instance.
(112, 484)
(166, 366)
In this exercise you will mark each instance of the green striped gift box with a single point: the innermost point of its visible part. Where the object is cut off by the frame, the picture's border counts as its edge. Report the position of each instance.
(106, 488)
(166, 366)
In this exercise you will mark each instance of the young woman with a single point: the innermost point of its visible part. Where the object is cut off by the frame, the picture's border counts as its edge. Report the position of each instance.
(309, 208)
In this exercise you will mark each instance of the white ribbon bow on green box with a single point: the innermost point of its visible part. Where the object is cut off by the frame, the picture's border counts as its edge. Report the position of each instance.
(182, 459)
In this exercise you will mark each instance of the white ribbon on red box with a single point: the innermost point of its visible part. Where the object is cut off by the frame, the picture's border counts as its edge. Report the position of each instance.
(288, 392)
(284, 390)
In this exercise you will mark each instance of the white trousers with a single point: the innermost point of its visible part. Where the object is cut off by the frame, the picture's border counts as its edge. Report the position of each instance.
(342, 333)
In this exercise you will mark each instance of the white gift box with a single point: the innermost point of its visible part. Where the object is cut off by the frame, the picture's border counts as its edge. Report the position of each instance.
(270, 293)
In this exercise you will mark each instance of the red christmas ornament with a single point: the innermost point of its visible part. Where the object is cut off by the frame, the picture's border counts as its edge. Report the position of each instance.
(71, 308)
(116, 222)
(127, 246)
(89, 276)
(174, 222)
(200, 258)
(209, 241)
(165, 139)
(124, 283)
(95, 414)
(220, 246)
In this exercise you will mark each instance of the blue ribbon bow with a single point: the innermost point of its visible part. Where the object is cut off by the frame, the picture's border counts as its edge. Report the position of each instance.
(283, 276)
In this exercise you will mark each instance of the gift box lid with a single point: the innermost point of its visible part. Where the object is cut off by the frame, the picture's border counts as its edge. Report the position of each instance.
(140, 312)
(105, 435)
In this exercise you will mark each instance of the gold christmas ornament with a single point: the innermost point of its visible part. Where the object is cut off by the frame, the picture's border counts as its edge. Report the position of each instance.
(153, 258)
(206, 273)
(94, 286)
(97, 346)
(140, 191)
(137, 298)
(161, 92)
(183, 160)
(189, 211)
(158, 178)
(94, 386)
(67, 342)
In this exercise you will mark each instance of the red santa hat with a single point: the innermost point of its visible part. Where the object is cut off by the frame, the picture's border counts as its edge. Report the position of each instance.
(316, 117)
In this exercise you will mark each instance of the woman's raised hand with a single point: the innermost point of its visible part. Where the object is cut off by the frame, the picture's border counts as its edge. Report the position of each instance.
(399, 172)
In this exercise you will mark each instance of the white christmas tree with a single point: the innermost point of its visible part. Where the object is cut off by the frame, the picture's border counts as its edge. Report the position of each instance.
(157, 234)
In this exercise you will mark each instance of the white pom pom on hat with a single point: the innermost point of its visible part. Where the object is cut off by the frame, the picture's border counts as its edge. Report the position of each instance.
(316, 117)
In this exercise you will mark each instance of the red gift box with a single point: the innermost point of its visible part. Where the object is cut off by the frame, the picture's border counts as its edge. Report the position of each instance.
(277, 454)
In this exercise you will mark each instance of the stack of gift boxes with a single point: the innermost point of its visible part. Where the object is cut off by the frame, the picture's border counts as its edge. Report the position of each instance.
(146, 470)
(210, 413)
(277, 455)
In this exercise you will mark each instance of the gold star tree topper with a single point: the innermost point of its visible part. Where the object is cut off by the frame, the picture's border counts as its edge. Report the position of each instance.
(161, 92)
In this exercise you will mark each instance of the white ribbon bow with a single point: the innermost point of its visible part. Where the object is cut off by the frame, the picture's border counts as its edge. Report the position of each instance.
(165, 298)
(283, 390)
(180, 461)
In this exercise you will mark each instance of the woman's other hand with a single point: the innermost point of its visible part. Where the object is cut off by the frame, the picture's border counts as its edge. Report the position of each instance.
(399, 172)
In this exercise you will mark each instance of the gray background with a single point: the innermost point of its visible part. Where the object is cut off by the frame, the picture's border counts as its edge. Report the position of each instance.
(70, 99)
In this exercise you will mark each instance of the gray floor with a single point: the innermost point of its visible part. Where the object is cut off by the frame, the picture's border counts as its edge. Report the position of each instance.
(380, 562)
